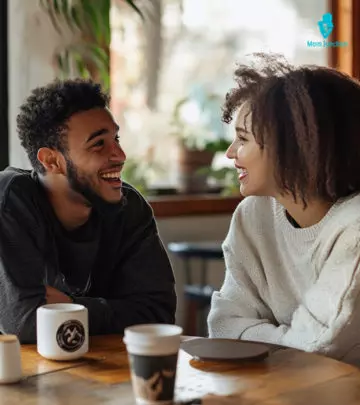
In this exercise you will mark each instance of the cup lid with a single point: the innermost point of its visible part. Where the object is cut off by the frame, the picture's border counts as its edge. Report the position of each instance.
(151, 332)
(63, 307)
(8, 338)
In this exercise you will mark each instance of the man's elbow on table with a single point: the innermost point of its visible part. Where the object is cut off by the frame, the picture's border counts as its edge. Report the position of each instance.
(23, 327)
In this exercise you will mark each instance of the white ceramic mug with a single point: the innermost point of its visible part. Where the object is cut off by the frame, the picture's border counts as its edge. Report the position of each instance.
(62, 331)
(153, 353)
(10, 359)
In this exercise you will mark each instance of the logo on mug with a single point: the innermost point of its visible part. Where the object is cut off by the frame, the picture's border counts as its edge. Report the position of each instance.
(70, 335)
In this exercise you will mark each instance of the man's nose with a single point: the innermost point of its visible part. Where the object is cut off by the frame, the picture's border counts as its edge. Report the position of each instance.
(117, 153)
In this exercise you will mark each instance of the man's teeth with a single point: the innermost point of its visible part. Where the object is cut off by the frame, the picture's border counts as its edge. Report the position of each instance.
(114, 175)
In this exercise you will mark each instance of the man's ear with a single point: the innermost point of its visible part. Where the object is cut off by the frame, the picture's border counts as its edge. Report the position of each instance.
(51, 160)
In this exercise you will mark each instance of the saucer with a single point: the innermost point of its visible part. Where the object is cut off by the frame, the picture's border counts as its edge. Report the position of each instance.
(224, 349)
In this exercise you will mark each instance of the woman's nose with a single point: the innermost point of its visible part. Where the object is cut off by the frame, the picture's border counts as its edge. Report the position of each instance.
(231, 153)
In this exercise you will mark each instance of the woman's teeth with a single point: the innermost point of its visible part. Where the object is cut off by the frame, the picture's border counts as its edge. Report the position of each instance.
(242, 173)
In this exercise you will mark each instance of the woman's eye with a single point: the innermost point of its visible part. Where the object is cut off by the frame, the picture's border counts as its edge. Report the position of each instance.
(99, 143)
(117, 138)
(242, 139)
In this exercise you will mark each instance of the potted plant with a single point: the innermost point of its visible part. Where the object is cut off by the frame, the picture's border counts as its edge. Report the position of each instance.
(198, 142)
(87, 54)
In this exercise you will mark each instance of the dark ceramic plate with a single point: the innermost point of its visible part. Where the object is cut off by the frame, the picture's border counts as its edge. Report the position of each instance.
(224, 349)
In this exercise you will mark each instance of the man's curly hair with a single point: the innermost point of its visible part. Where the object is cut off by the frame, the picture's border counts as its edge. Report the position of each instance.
(43, 117)
(308, 118)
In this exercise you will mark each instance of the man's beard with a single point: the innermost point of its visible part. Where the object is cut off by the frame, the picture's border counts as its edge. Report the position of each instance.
(82, 186)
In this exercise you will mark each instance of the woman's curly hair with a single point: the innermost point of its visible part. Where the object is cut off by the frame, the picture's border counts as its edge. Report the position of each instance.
(308, 118)
(43, 117)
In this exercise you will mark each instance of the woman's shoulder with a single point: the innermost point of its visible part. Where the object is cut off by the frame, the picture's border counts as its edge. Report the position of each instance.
(343, 222)
(340, 235)
(255, 208)
(345, 213)
(254, 215)
(252, 221)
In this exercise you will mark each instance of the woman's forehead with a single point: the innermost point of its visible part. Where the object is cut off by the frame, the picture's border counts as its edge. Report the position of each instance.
(243, 119)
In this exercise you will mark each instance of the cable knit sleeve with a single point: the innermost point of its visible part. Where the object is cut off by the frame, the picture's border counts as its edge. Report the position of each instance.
(327, 320)
(239, 305)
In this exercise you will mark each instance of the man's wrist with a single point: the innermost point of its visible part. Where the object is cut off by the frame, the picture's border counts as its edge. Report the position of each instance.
(71, 298)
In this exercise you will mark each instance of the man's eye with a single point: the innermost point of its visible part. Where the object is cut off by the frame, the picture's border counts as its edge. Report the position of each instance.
(99, 143)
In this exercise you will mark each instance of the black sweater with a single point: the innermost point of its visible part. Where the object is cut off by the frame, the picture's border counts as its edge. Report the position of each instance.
(115, 265)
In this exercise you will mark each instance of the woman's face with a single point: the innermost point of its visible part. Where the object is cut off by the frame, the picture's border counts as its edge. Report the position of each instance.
(253, 163)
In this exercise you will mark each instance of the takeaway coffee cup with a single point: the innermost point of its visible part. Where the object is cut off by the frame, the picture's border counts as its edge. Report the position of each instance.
(62, 331)
(153, 353)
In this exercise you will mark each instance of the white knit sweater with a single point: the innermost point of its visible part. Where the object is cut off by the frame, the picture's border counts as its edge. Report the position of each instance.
(291, 286)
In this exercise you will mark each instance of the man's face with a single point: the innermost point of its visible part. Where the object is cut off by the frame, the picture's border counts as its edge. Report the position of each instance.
(94, 159)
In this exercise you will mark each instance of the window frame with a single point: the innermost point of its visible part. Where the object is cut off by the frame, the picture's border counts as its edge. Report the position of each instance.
(4, 99)
(346, 15)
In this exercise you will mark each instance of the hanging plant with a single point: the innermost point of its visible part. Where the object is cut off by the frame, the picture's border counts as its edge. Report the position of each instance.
(89, 22)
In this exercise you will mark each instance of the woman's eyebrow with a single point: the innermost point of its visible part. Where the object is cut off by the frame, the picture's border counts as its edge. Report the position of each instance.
(241, 130)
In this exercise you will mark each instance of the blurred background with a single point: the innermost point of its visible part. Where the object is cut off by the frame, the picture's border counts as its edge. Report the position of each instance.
(167, 65)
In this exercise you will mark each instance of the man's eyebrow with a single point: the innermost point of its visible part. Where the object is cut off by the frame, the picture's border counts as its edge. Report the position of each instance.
(99, 132)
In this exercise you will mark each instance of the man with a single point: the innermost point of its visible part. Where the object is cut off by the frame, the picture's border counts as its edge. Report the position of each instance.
(71, 230)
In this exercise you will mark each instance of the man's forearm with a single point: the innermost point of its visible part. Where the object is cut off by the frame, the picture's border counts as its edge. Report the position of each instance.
(20, 320)
(113, 316)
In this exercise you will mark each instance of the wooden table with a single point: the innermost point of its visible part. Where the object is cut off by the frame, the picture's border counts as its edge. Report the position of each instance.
(102, 377)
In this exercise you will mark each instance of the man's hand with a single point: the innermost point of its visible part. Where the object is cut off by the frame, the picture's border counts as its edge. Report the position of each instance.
(54, 296)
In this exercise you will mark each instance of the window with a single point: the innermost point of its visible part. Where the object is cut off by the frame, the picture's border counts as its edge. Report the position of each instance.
(193, 54)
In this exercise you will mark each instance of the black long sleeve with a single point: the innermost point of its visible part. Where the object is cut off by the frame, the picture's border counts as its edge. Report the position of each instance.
(22, 265)
(131, 281)
(143, 284)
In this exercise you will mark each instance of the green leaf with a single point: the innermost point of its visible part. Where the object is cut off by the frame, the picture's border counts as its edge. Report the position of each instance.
(66, 14)
(91, 19)
(132, 4)
(105, 21)
(56, 6)
(63, 63)
(49, 6)
(74, 12)
(80, 66)
(98, 55)
(105, 80)
(91, 54)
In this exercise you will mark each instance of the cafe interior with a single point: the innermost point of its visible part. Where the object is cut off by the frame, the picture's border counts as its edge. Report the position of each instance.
(167, 65)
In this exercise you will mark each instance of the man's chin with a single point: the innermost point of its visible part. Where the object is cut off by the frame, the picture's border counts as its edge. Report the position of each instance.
(115, 198)
(113, 201)
(105, 203)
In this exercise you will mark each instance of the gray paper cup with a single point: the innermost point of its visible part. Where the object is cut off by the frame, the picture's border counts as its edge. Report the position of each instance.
(153, 352)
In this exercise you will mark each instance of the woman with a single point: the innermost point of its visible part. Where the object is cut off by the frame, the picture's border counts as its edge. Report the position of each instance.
(292, 252)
